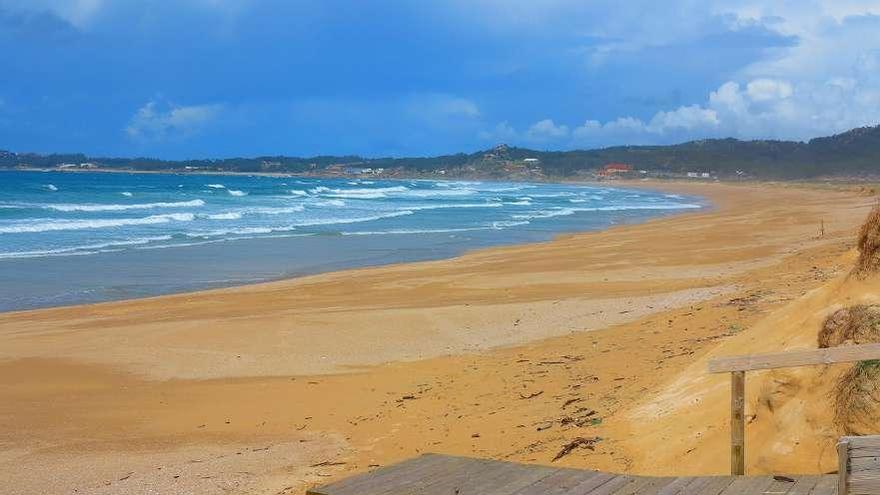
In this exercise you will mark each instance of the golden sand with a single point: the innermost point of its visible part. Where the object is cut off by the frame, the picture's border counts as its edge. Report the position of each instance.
(506, 353)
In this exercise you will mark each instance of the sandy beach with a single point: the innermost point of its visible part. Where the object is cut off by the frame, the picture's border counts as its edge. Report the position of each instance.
(506, 353)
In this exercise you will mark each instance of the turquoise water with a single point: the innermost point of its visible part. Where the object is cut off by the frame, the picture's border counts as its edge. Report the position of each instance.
(68, 238)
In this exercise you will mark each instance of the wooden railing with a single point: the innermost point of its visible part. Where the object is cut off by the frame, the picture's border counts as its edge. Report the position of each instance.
(738, 365)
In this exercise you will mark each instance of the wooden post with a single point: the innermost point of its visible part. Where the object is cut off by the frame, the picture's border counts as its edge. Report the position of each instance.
(842, 467)
(737, 422)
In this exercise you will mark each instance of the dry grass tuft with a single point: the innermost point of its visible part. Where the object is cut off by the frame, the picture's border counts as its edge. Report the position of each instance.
(858, 324)
(857, 393)
(869, 245)
(857, 399)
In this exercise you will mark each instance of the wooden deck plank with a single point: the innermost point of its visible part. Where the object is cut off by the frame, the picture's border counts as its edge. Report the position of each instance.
(455, 475)
(677, 485)
(743, 485)
(804, 485)
(525, 479)
(707, 486)
(487, 480)
(559, 483)
(646, 485)
(435, 474)
(827, 485)
(373, 481)
(780, 486)
(591, 484)
(414, 464)
(612, 485)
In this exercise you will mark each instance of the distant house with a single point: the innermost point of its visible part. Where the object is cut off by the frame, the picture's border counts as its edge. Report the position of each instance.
(531, 160)
(612, 169)
(699, 175)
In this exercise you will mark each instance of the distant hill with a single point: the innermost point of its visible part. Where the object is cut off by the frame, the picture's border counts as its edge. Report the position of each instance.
(854, 153)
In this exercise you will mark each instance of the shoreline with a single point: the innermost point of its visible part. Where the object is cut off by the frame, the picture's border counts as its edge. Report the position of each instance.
(382, 251)
(370, 366)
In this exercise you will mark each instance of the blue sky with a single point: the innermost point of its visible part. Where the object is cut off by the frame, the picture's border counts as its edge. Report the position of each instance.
(218, 78)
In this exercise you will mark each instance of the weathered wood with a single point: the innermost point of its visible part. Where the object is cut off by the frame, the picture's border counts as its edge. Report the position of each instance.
(871, 442)
(737, 423)
(387, 474)
(712, 486)
(804, 485)
(842, 466)
(590, 485)
(558, 483)
(831, 355)
(827, 485)
(434, 474)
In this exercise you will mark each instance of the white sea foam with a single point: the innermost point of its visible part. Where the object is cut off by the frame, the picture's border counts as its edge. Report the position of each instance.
(357, 195)
(26, 226)
(84, 249)
(334, 221)
(239, 231)
(454, 205)
(215, 186)
(126, 194)
(51, 187)
(558, 212)
(330, 202)
(506, 188)
(364, 193)
(502, 224)
(523, 202)
(279, 210)
(232, 215)
(414, 231)
(553, 195)
(297, 192)
(440, 193)
(233, 192)
(124, 207)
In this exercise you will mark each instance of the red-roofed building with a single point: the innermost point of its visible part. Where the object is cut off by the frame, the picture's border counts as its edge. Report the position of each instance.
(611, 169)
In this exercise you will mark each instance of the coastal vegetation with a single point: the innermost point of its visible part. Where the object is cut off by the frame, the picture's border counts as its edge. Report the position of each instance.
(854, 153)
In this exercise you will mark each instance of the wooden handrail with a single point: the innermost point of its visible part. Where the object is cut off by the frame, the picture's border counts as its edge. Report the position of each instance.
(738, 365)
(831, 355)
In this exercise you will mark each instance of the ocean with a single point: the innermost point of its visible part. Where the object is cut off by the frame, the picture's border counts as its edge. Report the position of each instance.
(69, 238)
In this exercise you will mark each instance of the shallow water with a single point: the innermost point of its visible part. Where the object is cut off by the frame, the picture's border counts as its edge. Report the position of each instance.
(68, 238)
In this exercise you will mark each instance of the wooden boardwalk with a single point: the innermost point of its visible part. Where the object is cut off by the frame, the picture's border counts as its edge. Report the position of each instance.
(435, 474)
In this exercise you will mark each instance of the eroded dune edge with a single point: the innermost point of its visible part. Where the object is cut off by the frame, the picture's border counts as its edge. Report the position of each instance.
(508, 353)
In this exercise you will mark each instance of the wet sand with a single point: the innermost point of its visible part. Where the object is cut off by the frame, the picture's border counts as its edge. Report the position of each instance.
(506, 353)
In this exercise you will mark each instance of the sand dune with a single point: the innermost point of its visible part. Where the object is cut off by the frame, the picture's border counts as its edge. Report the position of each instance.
(507, 353)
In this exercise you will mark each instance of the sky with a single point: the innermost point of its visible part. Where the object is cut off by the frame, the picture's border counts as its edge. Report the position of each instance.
(221, 78)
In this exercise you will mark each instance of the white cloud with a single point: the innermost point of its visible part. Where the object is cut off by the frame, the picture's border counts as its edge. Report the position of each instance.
(768, 89)
(442, 105)
(76, 12)
(546, 130)
(826, 81)
(156, 121)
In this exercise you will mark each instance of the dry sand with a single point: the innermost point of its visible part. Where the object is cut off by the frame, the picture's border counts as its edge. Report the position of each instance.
(506, 353)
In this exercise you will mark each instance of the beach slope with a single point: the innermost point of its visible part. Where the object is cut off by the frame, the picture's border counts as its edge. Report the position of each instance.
(506, 353)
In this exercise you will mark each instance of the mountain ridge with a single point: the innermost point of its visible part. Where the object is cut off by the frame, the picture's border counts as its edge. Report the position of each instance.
(855, 152)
